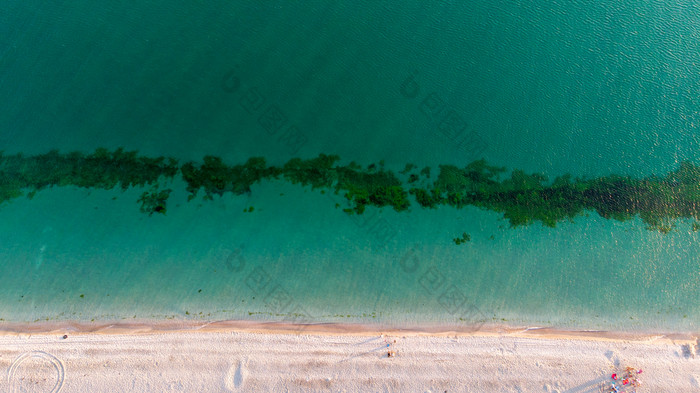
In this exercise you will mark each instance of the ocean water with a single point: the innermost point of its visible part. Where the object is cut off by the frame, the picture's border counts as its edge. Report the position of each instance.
(579, 87)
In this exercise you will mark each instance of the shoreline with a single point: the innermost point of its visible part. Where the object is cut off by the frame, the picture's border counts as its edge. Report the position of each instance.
(140, 327)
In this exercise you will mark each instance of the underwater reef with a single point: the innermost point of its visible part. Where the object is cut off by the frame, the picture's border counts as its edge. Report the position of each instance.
(521, 198)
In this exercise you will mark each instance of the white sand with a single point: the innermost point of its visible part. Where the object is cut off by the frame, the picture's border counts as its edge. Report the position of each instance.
(241, 360)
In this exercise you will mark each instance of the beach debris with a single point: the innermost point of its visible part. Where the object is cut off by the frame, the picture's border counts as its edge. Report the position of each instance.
(391, 353)
(623, 381)
(65, 336)
(688, 351)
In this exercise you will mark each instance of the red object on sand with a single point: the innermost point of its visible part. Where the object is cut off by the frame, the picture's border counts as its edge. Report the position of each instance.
(614, 376)
(625, 382)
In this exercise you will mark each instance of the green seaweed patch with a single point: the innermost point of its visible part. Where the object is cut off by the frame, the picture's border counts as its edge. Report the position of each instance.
(217, 178)
(154, 201)
(380, 188)
(317, 172)
(425, 172)
(659, 202)
(394, 196)
(429, 199)
(102, 169)
(408, 168)
(477, 177)
(521, 198)
(461, 240)
(9, 189)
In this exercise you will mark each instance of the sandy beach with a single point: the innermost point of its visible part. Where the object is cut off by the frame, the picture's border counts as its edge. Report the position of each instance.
(262, 357)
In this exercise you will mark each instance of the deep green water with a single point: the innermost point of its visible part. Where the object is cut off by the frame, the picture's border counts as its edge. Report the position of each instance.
(579, 87)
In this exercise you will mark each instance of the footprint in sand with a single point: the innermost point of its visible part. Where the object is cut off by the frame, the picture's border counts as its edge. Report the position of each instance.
(236, 375)
(695, 381)
(612, 358)
(552, 389)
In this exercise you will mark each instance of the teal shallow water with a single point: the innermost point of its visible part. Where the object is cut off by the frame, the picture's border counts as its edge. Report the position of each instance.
(580, 87)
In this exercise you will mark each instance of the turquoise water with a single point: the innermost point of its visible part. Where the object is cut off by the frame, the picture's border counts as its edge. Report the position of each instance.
(580, 87)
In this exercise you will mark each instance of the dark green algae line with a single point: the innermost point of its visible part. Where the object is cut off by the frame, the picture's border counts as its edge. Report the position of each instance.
(522, 198)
